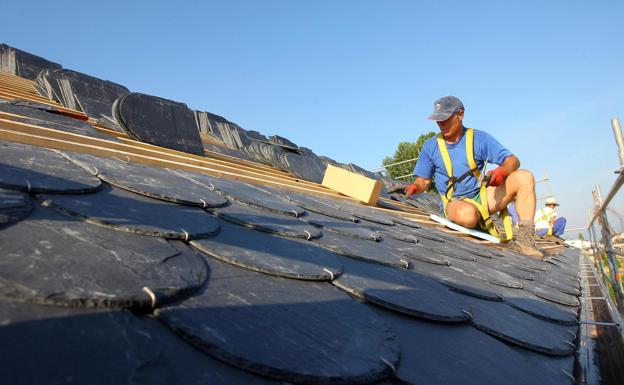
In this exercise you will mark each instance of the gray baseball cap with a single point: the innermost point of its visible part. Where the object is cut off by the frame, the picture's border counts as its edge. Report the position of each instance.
(444, 107)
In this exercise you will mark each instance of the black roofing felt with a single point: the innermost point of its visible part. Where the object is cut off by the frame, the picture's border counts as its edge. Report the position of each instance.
(253, 300)
(27, 65)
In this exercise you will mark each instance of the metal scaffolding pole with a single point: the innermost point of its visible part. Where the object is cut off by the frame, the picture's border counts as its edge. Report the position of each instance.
(600, 213)
(616, 282)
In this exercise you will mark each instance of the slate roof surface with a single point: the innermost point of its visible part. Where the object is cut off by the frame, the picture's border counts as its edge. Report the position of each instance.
(115, 272)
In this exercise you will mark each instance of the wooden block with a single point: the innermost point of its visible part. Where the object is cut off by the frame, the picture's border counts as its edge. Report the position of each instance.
(353, 185)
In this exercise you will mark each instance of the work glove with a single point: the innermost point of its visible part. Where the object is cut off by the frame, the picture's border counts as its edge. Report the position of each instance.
(497, 176)
(410, 190)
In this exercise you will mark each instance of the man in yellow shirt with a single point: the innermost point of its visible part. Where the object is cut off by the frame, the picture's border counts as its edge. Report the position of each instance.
(547, 221)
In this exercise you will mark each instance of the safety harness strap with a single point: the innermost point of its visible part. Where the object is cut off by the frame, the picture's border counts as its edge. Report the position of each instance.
(547, 219)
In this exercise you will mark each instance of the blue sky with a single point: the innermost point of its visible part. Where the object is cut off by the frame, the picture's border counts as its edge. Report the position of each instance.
(351, 79)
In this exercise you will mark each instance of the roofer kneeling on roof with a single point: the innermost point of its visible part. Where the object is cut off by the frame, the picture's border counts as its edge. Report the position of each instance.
(468, 196)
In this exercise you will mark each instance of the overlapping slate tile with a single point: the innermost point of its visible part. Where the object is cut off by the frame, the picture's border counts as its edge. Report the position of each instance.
(54, 259)
(14, 206)
(316, 204)
(270, 254)
(150, 181)
(457, 280)
(363, 250)
(551, 294)
(506, 268)
(364, 212)
(538, 307)
(522, 329)
(40, 170)
(401, 290)
(243, 192)
(445, 249)
(562, 286)
(486, 273)
(126, 211)
(263, 220)
(55, 345)
(416, 251)
(347, 228)
(435, 353)
(285, 329)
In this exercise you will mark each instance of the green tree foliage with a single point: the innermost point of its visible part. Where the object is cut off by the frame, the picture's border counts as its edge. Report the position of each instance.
(580, 237)
(405, 151)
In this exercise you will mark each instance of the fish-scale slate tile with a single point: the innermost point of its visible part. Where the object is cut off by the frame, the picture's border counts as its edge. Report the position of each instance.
(286, 329)
(126, 211)
(564, 287)
(263, 220)
(445, 249)
(551, 294)
(158, 121)
(538, 307)
(486, 273)
(363, 250)
(57, 345)
(14, 206)
(149, 181)
(520, 328)
(434, 353)
(40, 170)
(346, 228)
(416, 251)
(366, 213)
(270, 254)
(323, 206)
(401, 290)
(54, 259)
(48, 117)
(506, 268)
(457, 280)
(244, 193)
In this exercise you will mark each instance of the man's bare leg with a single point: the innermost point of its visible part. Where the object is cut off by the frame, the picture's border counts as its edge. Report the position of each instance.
(519, 187)
(462, 213)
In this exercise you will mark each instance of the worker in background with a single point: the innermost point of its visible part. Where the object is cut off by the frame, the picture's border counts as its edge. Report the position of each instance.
(548, 222)
(456, 159)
